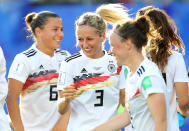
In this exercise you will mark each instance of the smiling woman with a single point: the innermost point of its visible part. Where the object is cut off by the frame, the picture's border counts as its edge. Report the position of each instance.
(145, 87)
(33, 76)
(88, 40)
(90, 83)
(46, 30)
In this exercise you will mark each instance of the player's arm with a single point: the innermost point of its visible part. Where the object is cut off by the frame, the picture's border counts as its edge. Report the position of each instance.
(182, 97)
(180, 85)
(116, 123)
(122, 97)
(62, 123)
(158, 112)
(65, 96)
(14, 90)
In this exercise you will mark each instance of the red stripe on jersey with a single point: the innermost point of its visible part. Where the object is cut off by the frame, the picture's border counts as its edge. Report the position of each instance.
(137, 92)
(95, 80)
(31, 81)
(119, 70)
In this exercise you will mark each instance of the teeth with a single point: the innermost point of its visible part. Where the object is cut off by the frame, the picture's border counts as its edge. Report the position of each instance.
(87, 49)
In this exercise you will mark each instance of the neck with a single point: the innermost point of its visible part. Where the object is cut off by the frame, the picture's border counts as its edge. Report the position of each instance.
(47, 51)
(134, 61)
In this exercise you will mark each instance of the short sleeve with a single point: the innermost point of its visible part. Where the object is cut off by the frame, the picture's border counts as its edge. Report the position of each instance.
(65, 77)
(19, 69)
(123, 76)
(3, 82)
(152, 84)
(180, 69)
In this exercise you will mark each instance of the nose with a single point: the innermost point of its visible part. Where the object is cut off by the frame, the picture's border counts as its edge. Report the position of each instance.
(61, 34)
(84, 43)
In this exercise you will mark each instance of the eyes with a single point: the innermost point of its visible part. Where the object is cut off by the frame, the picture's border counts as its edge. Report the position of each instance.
(87, 39)
(57, 29)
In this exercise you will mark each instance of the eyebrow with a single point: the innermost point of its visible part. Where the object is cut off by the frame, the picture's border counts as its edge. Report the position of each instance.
(55, 26)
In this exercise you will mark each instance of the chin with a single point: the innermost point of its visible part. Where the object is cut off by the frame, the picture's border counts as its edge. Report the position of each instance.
(88, 54)
(119, 64)
(57, 46)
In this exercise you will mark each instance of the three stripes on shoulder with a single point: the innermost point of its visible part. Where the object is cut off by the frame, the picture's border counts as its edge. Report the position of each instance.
(30, 53)
(73, 57)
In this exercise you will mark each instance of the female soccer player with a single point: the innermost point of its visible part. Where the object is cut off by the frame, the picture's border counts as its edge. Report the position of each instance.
(170, 62)
(90, 83)
(33, 76)
(145, 88)
(4, 123)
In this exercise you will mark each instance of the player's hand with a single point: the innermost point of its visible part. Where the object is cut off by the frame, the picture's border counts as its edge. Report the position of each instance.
(68, 92)
(184, 114)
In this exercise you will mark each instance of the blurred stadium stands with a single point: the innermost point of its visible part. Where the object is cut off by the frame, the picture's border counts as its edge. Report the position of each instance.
(12, 26)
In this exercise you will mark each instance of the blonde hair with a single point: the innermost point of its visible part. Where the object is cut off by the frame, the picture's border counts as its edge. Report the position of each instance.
(113, 13)
(93, 20)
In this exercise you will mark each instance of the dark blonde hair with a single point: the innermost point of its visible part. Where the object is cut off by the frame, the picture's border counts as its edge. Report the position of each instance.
(160, 48)
(93, 20)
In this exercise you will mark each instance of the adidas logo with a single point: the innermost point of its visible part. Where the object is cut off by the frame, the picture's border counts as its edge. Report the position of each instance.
(41, 67)
(83, 70)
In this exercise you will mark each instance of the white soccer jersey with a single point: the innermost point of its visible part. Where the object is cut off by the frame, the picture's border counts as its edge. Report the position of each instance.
(102, 79)
(146, 80)
(175, 71)
(4, 124)
(38, 101)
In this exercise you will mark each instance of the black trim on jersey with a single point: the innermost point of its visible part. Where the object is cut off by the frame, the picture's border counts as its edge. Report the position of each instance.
(86, 76)
(73, 57)
(164, 77)
(141, 70)
(30, 53)
(62, 52)
(41, 73)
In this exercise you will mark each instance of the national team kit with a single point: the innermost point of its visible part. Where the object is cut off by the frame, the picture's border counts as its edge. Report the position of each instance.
(39, 95)
(146, 80)
(100, 82)
(97, 82)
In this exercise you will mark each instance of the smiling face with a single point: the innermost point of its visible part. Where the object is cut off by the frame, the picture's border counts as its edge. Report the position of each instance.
(89, 41)
(51, 35)
(118, 48)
